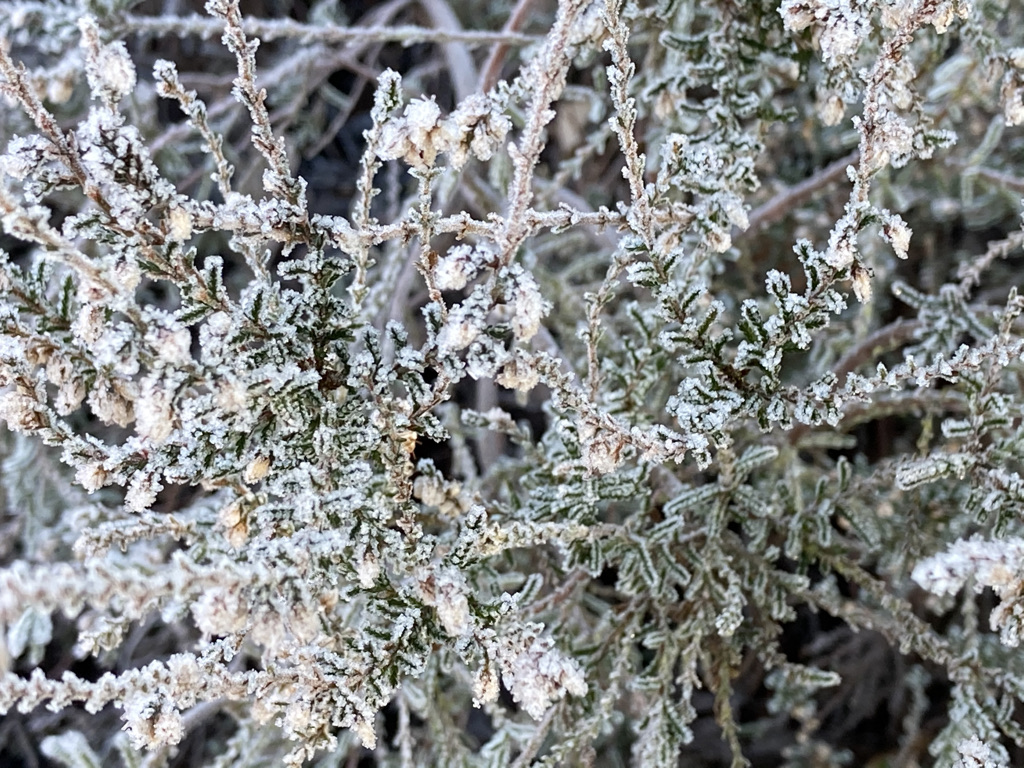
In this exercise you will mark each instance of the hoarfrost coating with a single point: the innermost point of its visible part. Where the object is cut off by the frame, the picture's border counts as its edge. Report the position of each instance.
(645, 377)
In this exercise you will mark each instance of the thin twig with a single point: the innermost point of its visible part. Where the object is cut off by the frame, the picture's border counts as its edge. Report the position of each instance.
(1012, 183)
(791, 197)
(491, 70)
(268, 30)
(970, 272)
(461, 68)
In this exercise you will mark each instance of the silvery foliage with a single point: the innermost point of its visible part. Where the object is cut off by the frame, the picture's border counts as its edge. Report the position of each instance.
(370, 524)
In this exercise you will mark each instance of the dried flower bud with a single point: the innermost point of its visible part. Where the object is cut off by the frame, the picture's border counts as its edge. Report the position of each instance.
(430, 490)
(485, 685)
(602, 449)
(92, 476)
(418, 137)
(861, 278)
(475, 126)
(21, 412)
(127, 274)
(179, 224)
(718, 240)
(797, 15)
(449, 600)
(221, 611)
(518, 374)
(141, 493)
(154, 413)
(232, 395)
(150, 723)
(367, 570)
(59, 89)
(897, 233)
(257, 469)
(456, 335)
(1012, 95)
(529, 307)
(946, 11)
(233, 520)
(455, 269)
(833, 110)
(109, 67)
(89, 324)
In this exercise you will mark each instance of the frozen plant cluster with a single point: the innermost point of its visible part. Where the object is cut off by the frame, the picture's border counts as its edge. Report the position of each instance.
(998, 565)
(447, 383)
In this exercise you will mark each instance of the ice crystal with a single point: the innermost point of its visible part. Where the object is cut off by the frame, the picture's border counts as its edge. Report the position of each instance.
(974, 753)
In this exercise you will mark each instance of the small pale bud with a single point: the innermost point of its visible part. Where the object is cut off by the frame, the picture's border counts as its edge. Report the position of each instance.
(898, 234)
(832, 110)
(718, 240)
(19, 411)
(257, 469)
(92, 476)
(179, 224)
(861, 283)
(232, 519)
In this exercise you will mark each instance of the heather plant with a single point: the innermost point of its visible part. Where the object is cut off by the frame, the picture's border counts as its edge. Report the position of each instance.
(452, 384)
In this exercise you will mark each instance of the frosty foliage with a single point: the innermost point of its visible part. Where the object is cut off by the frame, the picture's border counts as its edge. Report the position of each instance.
(582, 385)
(995, 564)
(975, 754)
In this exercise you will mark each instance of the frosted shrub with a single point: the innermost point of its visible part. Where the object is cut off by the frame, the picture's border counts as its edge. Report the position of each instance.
(462, 385)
